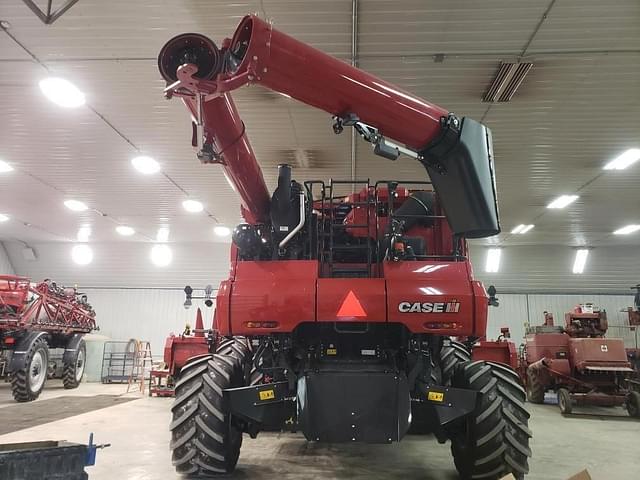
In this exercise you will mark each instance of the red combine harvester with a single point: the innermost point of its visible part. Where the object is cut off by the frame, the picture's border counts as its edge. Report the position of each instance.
(343, 304)
(578, 363)
(34, 319)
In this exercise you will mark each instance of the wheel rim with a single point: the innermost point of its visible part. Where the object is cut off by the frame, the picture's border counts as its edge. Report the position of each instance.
(80, 365)
(37, 371)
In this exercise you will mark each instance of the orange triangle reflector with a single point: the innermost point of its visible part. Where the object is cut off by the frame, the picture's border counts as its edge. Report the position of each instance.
(351, 307)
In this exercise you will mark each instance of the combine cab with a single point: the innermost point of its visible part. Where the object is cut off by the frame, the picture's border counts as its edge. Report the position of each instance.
(579, 363)
(34, 319)
(337, 317)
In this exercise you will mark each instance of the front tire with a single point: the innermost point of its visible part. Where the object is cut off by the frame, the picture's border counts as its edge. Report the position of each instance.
(204, 439)
(28, 382)
(451, 356)
(73, 371)
(495, 439)
(564, 401)
(633, 404)
(535, 387)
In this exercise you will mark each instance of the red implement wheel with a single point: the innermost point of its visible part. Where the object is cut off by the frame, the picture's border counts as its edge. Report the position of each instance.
(564, 401)
(535, 386)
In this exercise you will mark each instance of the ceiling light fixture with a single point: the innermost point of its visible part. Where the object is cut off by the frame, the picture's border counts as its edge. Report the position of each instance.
(62, 92)
(84, 233)
(221, 230)
(493, 260)
(627, 229)
(5, 167)
(75, 205)
(161, 255)
(581, 260)
(163, 235)
(507, 80)
(3, 217)
(562, 201)
(145, 165)
(192, 206)
(82, 254)
(125, 231)
(625, 160)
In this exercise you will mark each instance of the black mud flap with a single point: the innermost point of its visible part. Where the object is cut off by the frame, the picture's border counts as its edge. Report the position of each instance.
(460, 165)
(370, 407)
(265, 405)
(449, 403)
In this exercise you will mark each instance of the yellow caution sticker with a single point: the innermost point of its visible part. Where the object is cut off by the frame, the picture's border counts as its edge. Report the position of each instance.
(435, 396)
(332, 351)
(267, 395)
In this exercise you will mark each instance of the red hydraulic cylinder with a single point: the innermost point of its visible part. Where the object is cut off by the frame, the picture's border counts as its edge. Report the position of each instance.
(286, 65)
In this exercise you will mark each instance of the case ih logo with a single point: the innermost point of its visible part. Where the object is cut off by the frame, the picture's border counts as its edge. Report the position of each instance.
(429, 307)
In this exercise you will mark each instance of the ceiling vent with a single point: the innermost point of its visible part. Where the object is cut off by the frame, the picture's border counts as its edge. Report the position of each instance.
(508, 79)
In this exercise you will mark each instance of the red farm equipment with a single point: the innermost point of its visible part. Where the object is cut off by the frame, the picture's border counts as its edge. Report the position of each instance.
(579, 363)
(34, 319)
(337, 317)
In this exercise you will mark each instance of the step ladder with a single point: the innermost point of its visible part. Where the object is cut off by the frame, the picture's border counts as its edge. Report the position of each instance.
(142, 365)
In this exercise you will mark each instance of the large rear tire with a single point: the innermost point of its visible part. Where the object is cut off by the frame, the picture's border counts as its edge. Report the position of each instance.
(451, 356)
(204, 439)
(27, 383)
(73, 371)
(495, 439)
(535, 387)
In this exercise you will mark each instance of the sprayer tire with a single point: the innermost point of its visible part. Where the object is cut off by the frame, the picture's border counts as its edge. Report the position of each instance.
(23, 387)
(72, 372)
(495, 439)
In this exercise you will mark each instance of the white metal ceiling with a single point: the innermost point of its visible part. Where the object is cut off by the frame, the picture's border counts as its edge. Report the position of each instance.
(578, 107)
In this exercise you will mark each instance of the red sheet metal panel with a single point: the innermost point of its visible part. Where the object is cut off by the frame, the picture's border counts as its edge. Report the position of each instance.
(351, 300)
(273, 296)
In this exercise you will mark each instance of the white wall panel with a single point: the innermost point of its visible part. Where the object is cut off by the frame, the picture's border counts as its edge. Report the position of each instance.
(5, 265)
(144, 314)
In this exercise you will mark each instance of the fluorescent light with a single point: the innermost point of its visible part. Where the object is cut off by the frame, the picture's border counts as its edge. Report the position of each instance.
(581, 260)
(161, 255)
(518, 229)
(145, 165)
(493, 260)
(625, 160)
(84, 233)
(221, 230)
(626, 230)
(526, 229)
(62, 92)
(163, 234)
(125, 231)
(3, 217)
(82, 254)
(5, 167)
(562, 201)
(192, 206)
(75, 205)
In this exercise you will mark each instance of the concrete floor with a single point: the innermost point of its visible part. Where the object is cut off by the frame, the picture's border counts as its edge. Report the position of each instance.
(606, 442)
